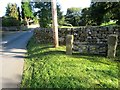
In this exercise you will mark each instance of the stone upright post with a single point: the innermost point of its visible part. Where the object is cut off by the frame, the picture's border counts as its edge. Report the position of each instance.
(112, 45)
(69, 44)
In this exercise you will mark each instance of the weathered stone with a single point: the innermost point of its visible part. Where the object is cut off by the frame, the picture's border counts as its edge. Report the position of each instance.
(69, 44)
(99, 35)
(112, 45)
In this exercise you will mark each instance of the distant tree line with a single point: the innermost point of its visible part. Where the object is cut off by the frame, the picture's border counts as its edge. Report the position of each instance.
(14, 17)
(11, 17)
(101, 12)
(96, 14)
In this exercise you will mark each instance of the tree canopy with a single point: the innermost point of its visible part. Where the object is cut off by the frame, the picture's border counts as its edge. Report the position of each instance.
(45, 14)
(11, 17)
(101, 12)
(96, 14)
(11, 11)
(73, 16)
(26, 10)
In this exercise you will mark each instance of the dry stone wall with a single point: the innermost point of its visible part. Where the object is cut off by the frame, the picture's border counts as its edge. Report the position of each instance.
(86, 39)
(43, 35)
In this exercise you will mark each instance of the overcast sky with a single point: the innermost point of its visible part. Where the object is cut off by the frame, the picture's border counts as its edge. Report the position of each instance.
(64, 4)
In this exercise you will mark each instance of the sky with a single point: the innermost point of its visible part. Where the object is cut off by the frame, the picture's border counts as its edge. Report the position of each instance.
(73, 3)
(64, 4)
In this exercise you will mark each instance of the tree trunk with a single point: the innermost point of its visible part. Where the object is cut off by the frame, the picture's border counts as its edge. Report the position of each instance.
(27, 21)
(55, 24)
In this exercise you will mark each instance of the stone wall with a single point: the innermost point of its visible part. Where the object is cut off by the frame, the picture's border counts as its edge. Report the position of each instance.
(43, 35)
(86, 39)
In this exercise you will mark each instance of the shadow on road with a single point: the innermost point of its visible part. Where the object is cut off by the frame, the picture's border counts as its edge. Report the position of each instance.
(13, 56)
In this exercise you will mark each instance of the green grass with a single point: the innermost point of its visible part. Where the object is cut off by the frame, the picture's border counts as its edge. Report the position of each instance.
(48, 67)
(69, 26)
(108, 24)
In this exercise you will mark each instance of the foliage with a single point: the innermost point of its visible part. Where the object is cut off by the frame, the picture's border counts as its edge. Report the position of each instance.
(11, 10)
(10, 21)
(101, 12)
(66, 24)
(19, 15)
(73, 16)
(97, 11)
(114, 8)
(94, 15)
(45, 14)
(26, 10)
(61, 18)
(48, 67)
(36, 20)
(85, 17)
(108, 23)
(12, 16)
(105, 12)
(24, 22)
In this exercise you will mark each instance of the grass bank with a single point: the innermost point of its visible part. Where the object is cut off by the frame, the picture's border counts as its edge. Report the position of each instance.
(48, 67)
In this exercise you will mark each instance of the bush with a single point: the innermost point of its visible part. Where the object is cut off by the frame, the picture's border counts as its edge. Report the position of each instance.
(10, 21)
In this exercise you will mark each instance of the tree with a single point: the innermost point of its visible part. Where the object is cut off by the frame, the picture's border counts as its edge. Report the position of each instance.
(73, 16)
(97, 11)
(114, 10)
(45, 14)
(19, 16)
(27, 13)
(11, 17)
(104, 12)
(11, 11)
(60, 16)
(85, 18)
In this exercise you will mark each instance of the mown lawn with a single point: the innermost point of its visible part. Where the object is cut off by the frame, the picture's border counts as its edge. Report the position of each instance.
(47, 67)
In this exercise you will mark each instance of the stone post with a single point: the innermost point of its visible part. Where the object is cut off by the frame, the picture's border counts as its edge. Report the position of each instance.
(69, 44)
(112, 45)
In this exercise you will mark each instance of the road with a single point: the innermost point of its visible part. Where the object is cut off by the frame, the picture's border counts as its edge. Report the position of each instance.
(13, 60)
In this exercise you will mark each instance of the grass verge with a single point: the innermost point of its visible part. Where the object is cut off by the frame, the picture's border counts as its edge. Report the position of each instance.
(48, 67)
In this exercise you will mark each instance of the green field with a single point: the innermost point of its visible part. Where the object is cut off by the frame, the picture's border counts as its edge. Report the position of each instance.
(48, 67)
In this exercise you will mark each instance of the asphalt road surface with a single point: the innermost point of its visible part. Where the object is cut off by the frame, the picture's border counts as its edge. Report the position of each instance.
(13, 60)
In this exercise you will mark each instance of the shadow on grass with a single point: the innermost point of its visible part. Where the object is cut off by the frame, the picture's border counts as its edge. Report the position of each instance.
(91, 57)
(44, 54)
(37, 53)
(42, 48)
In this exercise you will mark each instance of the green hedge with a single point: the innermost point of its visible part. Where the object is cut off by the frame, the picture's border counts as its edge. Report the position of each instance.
(10, 21)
